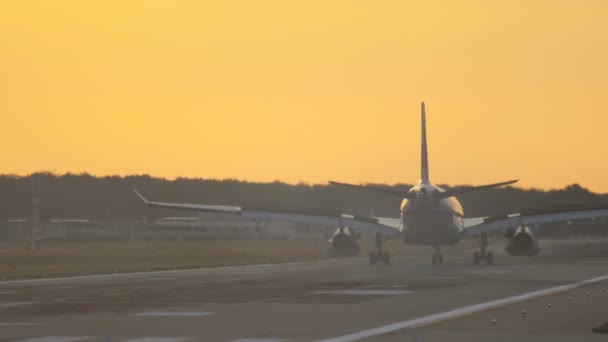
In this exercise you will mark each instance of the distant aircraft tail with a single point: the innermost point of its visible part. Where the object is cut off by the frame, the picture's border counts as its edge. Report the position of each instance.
(424, 160)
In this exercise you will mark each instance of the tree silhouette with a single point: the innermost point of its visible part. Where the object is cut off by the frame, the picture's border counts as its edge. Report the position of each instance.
(86, 196)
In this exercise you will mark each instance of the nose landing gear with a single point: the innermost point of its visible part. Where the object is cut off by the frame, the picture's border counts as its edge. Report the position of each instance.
(379, 255)
(437, 256)
(483, 254)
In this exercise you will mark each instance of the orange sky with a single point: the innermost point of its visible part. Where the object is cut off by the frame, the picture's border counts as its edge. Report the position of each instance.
(307, 90)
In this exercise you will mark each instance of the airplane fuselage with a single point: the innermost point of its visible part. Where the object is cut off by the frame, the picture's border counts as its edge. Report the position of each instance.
(429, 220)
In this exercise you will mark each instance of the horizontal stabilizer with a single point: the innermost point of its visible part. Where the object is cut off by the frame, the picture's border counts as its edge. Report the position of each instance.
(465, 190)
(389, 192)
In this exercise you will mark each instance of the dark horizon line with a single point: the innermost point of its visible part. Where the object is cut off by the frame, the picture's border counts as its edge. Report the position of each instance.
(300, 183)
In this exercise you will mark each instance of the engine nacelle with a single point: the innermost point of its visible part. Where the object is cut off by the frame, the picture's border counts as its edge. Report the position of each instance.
(521, 242)
(345, 242)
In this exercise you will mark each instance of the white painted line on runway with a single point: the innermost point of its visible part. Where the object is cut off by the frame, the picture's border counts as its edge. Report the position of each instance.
(158, 339)
(6, 305)
(365, 292)
(173, 314)
(467, 310)
(489, 272)
(160, 278)
(6, 292)
(520, 267)
(56, 339)
(443, 277)
(167, 272)
(259, 340)
(8, 324)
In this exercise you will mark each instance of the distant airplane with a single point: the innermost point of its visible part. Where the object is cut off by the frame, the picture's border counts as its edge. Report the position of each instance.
(430, 216)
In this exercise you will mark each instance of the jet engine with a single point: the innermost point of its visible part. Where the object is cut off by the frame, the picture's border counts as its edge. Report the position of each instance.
(521, 242)
(345, 242)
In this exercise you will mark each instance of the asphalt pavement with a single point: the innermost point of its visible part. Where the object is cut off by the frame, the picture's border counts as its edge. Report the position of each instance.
(558, 296)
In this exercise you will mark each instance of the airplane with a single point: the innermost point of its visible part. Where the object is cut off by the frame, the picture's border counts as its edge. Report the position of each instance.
(429, 216)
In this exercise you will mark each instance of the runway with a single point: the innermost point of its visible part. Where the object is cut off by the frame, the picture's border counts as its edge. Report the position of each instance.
(562, 292)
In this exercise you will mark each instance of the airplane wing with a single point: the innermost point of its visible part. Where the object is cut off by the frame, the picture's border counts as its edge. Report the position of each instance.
(335, 219)
(490, 224)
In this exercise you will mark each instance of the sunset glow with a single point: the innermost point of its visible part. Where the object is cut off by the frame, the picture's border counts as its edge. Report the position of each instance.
(307, 91)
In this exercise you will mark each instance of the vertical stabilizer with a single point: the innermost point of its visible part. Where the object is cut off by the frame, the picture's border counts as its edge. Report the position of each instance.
(424, 161)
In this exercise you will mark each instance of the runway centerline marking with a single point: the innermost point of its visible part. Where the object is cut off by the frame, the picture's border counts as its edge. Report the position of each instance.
(117, 294)
(158, 339)
(443, 277)
(364, 292)
(467, 310)
(173, 314)
(6, 305)
(259, 340)
(56, 339)
(489, 272)
(188, 271)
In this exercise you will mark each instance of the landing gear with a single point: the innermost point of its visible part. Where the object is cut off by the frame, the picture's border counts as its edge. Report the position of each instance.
(379, 255)
(386, 258)
(483, 254)
(437, 256)
(373, 259)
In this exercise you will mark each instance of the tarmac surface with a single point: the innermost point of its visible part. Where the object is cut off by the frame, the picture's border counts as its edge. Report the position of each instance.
(562, 292)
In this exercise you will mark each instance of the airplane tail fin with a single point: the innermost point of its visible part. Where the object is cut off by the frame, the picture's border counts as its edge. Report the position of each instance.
(424, 161)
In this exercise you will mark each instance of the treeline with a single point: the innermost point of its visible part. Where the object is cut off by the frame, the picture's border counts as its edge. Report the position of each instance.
(86, 196)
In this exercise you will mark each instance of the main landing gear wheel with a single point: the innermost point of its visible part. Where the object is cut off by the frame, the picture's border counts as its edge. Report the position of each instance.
(386, 258)
(483, 255)
(379, 255)
(437, 256)
(478, 257)
(490, 258)
(372, 259)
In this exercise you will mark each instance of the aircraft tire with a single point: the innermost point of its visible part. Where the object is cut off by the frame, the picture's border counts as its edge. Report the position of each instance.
(372, 259)
(476, 258)
(490, 258)
(386, 258)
